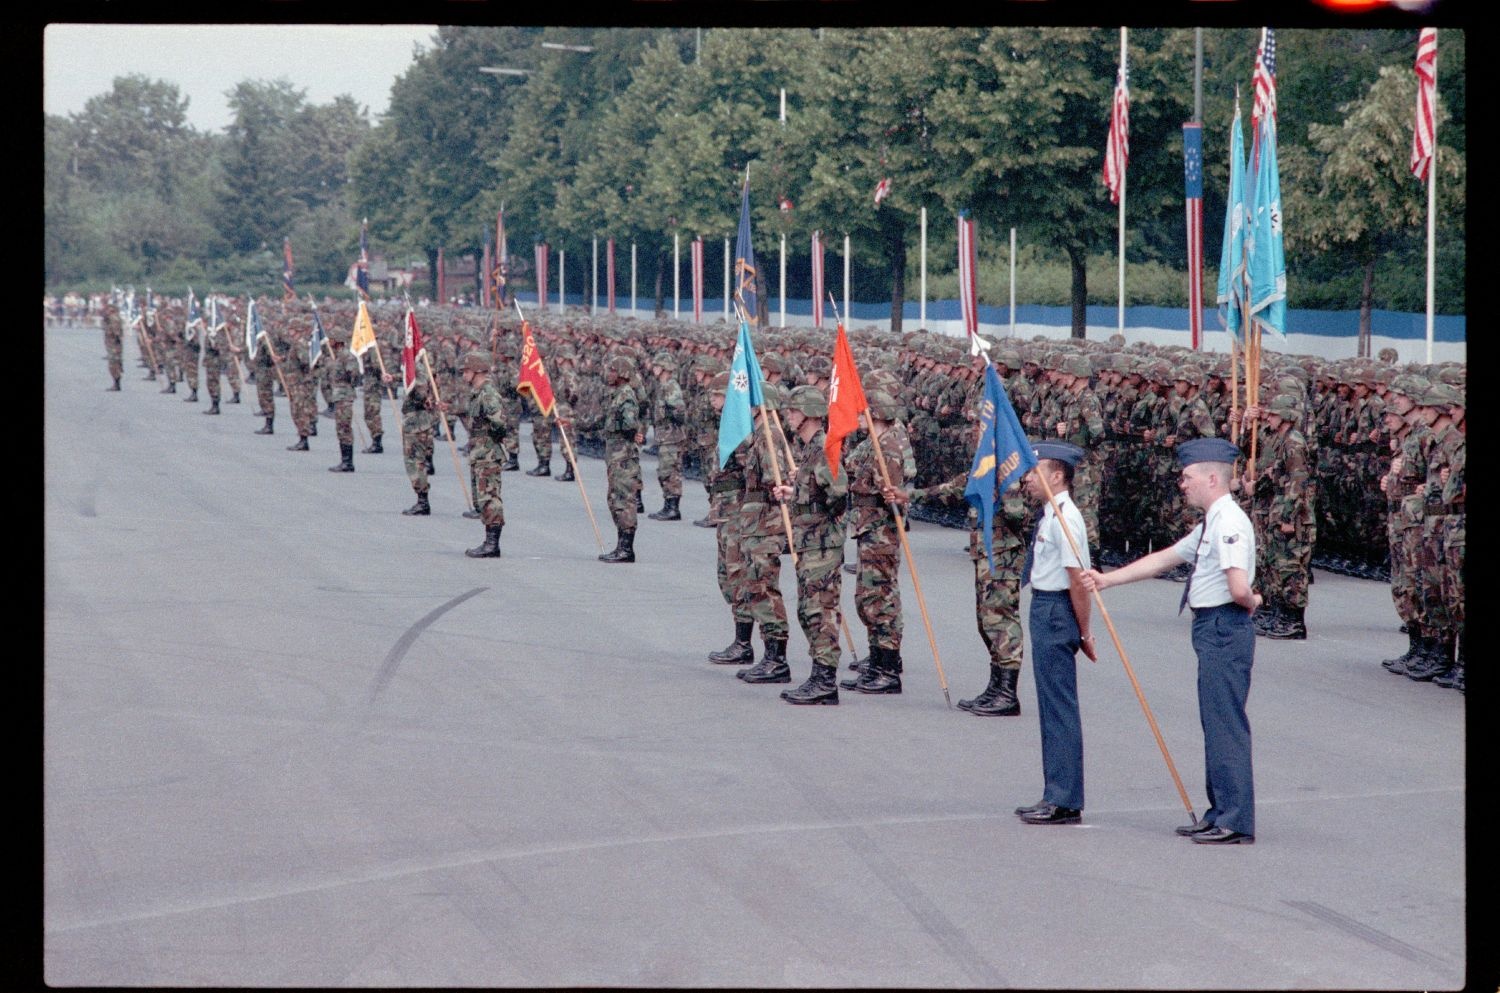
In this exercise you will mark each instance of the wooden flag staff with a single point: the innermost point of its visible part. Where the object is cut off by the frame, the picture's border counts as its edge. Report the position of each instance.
(443, 420)
(765, 430)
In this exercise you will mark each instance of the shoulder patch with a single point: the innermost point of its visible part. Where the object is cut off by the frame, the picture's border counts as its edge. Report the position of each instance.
(1230, 539)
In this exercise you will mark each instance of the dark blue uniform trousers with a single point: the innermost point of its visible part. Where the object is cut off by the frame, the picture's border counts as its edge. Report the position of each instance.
(1224, 639)
(1054, 645)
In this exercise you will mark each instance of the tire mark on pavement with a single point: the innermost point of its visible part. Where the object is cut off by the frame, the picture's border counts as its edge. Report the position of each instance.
(403, 644)
(1366, 933)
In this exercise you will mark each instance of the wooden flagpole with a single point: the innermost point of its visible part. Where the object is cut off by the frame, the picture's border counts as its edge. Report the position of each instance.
(395, 408)
(146, 337)
(765, 432)
(1115, 637)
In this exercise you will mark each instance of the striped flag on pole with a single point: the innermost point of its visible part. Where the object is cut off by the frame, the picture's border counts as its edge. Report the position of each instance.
(697, 247)
(817, 278)
(968, 287)
(541, 275)
(502, 258)
(1117, 150)
(1192, 158)
(1265, 90)
(287, 292)
(484, 269)
(1424, 136)
(882, 190)
(609, 272)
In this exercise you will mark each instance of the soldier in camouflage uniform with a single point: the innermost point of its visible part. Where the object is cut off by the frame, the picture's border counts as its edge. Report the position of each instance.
(1452, 499)
(816, 500)
(218, 345)
(622, 455)
(565, 391)
(1442, 627)
(997, 587)
(507, 368)
(763, 540)
(295, 366)
(541, 426)
(669, 423)
(342, 374)
(188, 348)
(1281, 507)
(370, 389)
(726, 491)
(418, 417)
(264, 368)
(114, 343)
(873, 526)
(704, 428)
(1080, 421)
(1407, 425)
(487, 453)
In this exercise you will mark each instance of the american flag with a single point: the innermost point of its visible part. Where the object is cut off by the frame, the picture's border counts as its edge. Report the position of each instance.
(882, 190)
(1117, 151)
(697, 246)
(541, 275)
(817, 278)
(968, 288)
(1192, 158)
(609, 267)
(1424, 136)
(1265, 89)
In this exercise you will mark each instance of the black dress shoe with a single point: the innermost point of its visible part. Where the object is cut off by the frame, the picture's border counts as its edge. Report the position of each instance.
(1051, 813)
(1188, 830)
(1023, 811)
(1222, 836)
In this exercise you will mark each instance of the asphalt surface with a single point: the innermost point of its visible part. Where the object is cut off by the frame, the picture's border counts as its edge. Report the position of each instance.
(293, 738)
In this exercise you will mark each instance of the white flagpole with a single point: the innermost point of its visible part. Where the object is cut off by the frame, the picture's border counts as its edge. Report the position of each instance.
(676, 276)
(922, 316)
(846, 278)
(1123, 171)
(1432, 215)
(1012, 282)
(727, 263)
(632, 279)
(783, 241)
(594, 286)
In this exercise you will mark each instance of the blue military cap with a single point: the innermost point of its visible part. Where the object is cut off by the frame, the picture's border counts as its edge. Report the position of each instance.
(1060, 451)
(1207, 450)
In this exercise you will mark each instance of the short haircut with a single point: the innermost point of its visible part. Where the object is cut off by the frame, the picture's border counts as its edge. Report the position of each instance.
(1067, 470)
(1224, 470)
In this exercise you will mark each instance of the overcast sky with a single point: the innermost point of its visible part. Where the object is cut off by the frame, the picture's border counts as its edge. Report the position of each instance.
(80, 61)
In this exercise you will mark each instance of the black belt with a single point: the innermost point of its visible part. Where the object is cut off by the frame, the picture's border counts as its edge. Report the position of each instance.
(726, 487)
(867, 500)
(1048, 594)
(1199, 611)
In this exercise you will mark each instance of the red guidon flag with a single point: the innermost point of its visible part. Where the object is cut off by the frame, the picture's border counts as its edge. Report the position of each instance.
(533, 378)
(846, 401)
(410, 349)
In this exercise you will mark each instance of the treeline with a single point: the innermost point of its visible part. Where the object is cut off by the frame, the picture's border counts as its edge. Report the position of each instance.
(640, 134)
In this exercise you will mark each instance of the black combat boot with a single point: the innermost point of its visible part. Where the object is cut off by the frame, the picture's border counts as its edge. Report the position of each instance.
(819, 688)
(1004, 703)
(669, 511)
(235, 398)
(149, 377)
(374, 446)
(772, 667)
(420, 508)
(985, 695)
(491, 547)
(191, 398)
(300, 446)
(1266, 619)
(346, 461)
(883, 674)
(1413, 651)
(1286, 625)
(860, 666)
(1453, 679)
(268, 429)
(640, 505)
(1436, 660)
(213, 409)
(543, 468)
(115, 388)
(567, 476)
(706, 521)
(624, 548)
(512, 464)
(739, 651)
(430, 470)
(328, 411)
(171, 387)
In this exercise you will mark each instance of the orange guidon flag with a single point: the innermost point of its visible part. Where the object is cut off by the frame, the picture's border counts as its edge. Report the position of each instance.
(846, 401)
(533, 377)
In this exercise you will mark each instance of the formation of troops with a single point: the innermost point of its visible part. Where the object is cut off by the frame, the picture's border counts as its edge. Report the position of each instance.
(1359, 461)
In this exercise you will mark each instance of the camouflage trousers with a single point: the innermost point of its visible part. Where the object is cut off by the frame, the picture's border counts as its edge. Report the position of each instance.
(416, 449)
(1086, 494)
(265, 389)
(541, 436)
(997, 606)
(487, 469)
(304, 407)
(343, 420)
(215, 366)
(1453, 569)
(819, 584)
(187, 364)
(669, 468)
(760, 589)
(371, 392)
(512, 441)
(114, 345)
(1433, 565)
(1406, 543)
(622, 464)
(731, 566)
(1285, 561)
(877, 587)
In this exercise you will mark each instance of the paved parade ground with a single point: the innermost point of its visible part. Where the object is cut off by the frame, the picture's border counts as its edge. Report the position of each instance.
(293, 738)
